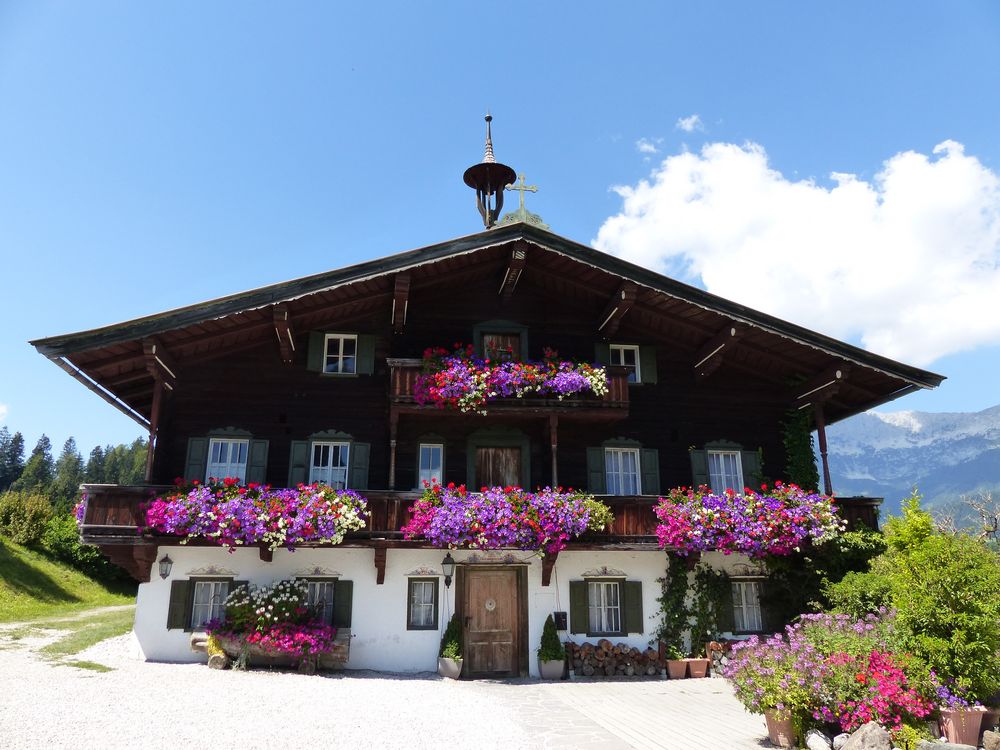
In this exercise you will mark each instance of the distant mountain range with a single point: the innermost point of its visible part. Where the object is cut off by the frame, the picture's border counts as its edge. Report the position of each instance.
(945, 455)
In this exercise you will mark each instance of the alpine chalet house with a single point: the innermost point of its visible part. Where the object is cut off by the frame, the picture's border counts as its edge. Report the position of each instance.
(314, 380)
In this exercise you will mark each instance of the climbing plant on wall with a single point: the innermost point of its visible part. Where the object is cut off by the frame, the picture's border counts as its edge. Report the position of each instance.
(800, 452)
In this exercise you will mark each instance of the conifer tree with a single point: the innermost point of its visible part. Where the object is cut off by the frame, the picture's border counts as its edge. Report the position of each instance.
(68, 476)
(94, 472)
(11, 458)
(38, 471)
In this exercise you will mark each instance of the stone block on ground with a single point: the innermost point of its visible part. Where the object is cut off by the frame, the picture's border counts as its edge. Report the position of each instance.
(991, 740)
(840, 740)
(816, 740)
(869, 737)
(938, 745)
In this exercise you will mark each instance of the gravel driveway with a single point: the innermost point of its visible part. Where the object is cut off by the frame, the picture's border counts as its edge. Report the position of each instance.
(176, 705)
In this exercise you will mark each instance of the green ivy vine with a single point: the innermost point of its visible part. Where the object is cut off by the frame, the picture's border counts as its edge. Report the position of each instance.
(673, 610)
(708, 598)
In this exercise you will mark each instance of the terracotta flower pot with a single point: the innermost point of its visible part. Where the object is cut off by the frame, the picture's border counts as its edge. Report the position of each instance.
(677, 669)
(961, 725)
(698, 667)
(450, 668)
(779, 728)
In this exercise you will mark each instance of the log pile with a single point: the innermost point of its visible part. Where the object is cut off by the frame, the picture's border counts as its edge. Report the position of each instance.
(607, 659)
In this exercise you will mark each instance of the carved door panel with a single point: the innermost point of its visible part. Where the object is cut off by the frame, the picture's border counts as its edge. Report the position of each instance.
(498, 467)
(491, 616)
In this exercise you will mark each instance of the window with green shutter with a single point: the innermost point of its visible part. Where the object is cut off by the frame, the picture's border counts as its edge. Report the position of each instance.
(623, 467)
(341, 354)
(196, 601)
(723, 465)
(602, 607)
(639, 360)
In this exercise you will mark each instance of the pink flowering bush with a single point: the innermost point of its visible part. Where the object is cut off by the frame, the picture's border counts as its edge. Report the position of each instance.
(503, 517)
(775, 522)
(459, 380)
(232, 514)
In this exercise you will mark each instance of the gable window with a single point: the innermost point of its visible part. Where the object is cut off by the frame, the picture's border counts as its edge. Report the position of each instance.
(604, 607)
(725, 471)
(502, 347)
(627, 356)
(329, 464)
(621, 470)
(227, 458)
(208, 601)
(431, 464)
(746, 607)
(341, 354)
(422, 604)
(320, 599)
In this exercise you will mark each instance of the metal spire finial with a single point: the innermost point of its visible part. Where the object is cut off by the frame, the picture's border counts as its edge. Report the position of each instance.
(488, 157)
(488, 179)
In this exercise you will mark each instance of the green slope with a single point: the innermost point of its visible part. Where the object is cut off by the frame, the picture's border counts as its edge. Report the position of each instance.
(34, 586)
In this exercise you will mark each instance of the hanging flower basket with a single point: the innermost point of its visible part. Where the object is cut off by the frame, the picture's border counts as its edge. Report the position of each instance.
(503, 517)
(458, 380)
(234, 515)
(775, 522)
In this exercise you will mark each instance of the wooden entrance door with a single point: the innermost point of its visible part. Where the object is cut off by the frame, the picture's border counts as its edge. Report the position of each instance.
(498, 467)
(492, 638)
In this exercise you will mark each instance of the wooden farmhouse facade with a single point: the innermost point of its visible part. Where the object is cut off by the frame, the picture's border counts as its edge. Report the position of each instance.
(312, 380)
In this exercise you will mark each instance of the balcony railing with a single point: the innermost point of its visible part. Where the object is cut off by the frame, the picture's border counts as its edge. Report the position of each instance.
(404, 374)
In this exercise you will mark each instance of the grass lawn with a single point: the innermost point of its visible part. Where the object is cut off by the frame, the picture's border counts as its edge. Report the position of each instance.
(33, 587)
(78, 634)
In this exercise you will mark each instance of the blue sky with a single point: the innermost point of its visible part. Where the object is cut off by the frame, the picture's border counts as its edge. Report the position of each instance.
(157, 154)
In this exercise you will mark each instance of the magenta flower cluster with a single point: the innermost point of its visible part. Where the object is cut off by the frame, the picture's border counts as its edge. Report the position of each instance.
(753, 523)
(459, 380)
(502, 517)
(233, 515)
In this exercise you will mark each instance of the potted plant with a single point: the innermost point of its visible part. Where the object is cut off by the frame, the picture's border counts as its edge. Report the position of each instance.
(676, 664)
(450, 654)
(697, 666)
(551, 654)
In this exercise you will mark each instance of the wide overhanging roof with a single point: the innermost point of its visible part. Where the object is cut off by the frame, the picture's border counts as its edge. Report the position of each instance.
(117, 361)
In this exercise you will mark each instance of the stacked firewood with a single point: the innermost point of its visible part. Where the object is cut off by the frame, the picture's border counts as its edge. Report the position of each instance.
(607, 659)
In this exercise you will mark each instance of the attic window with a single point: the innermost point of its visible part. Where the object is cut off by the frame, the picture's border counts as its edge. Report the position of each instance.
(341, 354)
(502, 346)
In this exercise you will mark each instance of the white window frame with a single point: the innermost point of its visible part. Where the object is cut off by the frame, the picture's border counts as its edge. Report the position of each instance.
(747, 616)
(614, 480)
(427, 608)
(429, 474)
(228, 468)
(321, 591)
(215, 605)
(338, 339)
(618, 359)
(316, 471)
(720, 486)
(604, 607)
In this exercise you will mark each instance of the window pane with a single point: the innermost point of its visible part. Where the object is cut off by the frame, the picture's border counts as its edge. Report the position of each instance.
(349, 346)
(348, 365)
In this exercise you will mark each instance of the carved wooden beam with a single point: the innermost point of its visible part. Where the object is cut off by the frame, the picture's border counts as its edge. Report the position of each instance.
(380, 555)
(283, 330)
(820, 388)
(709, 357)
(159, 363)
(400, 301)
(518, 261)
(136, 559)
(620, 304)
(548, 563)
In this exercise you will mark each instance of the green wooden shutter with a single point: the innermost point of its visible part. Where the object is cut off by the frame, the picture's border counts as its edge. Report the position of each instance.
(647, 364)
(769, 617)
(315, 358)
(358, 479)
(632, 610)
(343, 599)
(197, 457)
(178, 612)
(649, 464)
(751, 469)
(579, 611)
(602, 353)
(233, 585)
(595, 471)
(298, 463)
(725, 618)
(699, 468)
(366, 354)
(257, 463)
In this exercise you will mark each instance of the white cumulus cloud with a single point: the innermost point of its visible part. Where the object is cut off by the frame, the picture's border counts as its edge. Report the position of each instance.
(648, 145)
(690, 124)
(907, 263)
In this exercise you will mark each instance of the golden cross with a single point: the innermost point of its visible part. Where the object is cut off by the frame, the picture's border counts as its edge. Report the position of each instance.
(522, 189)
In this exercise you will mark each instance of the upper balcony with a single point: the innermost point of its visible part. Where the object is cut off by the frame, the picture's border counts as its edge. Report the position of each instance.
(612, 405)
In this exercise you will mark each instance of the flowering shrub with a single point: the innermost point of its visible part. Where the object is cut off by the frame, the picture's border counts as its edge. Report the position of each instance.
(233, 515)
(754, 523)
(500, 517)
(459, 380)
(275, 619)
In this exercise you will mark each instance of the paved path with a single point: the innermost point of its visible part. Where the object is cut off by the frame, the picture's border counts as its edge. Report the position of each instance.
(177, 705)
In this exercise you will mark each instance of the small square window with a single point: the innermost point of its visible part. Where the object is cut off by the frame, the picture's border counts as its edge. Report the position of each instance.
(621, 471)
(431, 464)
(604, 607)
(208, 602)
(320, 599)
(341, 354)
(502, 347)
(422, 604)
(329, 464)
(746, 607)
(627, 356)
(725, 471)
(227, 458)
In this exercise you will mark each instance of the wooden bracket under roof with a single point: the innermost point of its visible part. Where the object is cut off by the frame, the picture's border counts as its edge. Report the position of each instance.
(283, 330)
(159, 363)
(821, 387)
(620, 304)
(709, 357)
(515, 267)
(400, 301)
(380, 557)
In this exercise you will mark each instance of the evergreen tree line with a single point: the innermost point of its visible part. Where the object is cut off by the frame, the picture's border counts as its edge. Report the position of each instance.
(59, 479)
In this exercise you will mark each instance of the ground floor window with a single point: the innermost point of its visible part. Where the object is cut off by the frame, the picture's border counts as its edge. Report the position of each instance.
(422, 604)
(227, 458)
(746, 607)
(604, 606)
(329, 464)
(208, 602)
(320, 599)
